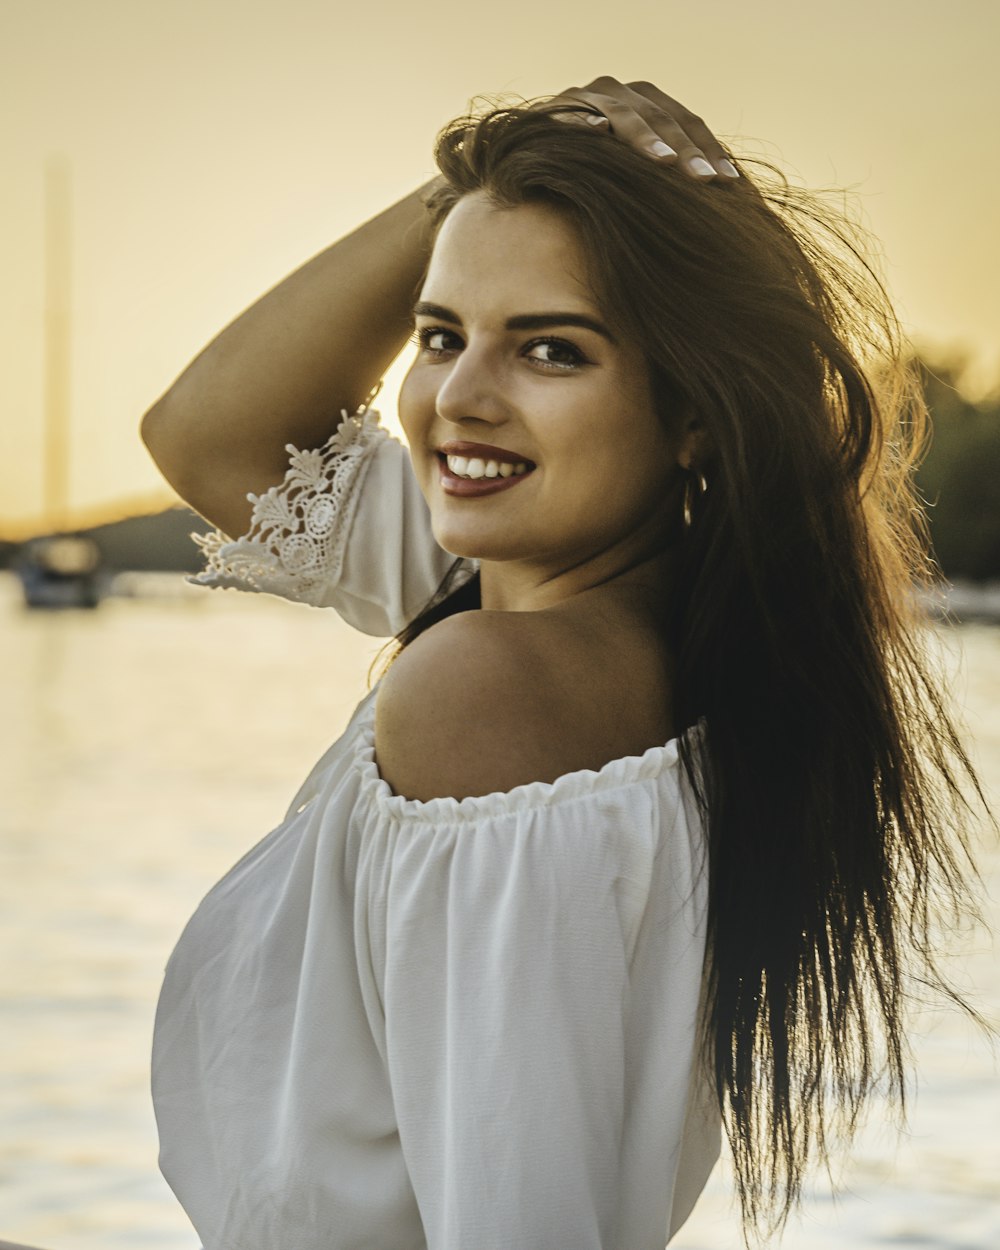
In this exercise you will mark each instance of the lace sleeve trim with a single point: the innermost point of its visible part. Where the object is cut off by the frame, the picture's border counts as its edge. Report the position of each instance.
(298, 531)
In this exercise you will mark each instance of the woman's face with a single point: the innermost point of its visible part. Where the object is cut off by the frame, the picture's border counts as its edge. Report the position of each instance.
(517, 364)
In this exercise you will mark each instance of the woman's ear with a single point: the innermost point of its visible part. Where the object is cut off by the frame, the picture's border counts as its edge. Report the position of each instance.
(695, 446)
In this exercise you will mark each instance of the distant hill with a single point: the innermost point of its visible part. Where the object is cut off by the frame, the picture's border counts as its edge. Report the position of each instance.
(160, 542)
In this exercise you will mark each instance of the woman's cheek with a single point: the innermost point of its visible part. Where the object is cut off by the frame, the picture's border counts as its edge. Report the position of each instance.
(415, 396)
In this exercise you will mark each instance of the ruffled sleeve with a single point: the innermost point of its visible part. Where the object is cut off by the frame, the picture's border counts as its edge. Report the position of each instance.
(347, 528)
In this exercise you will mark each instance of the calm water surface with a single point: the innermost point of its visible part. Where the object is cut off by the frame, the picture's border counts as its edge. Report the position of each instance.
(146, 746)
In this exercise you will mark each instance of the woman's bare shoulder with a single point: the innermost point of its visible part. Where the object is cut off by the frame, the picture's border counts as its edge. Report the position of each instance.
(486, 701)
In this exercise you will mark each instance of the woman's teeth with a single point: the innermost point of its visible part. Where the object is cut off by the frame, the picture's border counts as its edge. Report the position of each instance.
(462, 466)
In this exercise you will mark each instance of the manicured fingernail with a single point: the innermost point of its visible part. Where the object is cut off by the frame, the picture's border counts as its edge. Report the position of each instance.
(728, 168)
(698, 165)
(595, 119)
(659, 148)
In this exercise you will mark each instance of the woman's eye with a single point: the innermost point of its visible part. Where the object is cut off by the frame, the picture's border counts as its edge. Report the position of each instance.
(434, 339)
(554, 354)
(557, 354)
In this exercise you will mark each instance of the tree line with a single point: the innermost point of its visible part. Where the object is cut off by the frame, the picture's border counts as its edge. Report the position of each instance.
(959, 475)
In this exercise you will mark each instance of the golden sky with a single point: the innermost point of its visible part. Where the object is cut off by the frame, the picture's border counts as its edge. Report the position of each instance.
(215, 144)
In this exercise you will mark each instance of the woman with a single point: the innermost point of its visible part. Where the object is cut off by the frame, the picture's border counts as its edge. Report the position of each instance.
(642, 826)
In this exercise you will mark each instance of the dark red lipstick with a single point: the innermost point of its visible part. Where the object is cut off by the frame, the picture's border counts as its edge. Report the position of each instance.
(472, 488)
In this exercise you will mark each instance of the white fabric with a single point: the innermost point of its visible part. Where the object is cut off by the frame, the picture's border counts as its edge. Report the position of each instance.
(451, 1025)
(297, 545)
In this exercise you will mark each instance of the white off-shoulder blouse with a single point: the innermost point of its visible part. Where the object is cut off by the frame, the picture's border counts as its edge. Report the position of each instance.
(446, 1025)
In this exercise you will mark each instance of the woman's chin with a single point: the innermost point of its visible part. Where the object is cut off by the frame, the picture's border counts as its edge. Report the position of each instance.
(470, 546)
(473, 551)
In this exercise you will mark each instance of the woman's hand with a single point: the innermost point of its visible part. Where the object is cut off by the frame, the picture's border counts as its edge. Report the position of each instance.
(640, 114)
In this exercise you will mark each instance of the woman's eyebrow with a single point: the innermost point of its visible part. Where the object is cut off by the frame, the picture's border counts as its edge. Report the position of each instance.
(544, 321)
(526, 321)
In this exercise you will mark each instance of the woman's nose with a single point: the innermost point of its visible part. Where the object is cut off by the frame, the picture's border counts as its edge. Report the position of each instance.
(472, 390)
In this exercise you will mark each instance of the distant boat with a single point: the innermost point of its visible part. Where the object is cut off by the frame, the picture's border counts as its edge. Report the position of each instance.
(60, 571)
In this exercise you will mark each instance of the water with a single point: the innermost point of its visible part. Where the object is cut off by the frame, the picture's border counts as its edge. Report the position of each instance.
(145, 747)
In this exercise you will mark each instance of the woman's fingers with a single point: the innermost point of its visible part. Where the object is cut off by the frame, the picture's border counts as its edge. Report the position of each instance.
(574, 114)
(702, 142)
(640, 114)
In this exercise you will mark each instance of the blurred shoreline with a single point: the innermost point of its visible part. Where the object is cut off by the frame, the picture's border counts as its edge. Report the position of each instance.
(138, 555)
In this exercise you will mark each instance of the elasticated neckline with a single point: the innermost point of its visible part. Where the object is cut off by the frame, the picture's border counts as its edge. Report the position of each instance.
(586, 783)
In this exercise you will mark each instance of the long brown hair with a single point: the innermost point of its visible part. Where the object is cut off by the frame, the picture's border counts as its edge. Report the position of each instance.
(832, 780)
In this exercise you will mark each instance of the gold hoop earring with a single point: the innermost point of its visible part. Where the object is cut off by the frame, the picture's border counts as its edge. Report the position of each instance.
(691, 495)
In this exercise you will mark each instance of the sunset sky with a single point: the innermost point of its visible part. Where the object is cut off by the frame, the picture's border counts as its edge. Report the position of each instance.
(216, 144)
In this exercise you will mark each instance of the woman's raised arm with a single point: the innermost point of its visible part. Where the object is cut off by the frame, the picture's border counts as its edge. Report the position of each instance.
(317, 343)
(282, 371)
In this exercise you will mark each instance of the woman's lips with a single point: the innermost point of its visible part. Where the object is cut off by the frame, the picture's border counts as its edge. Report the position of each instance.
(469, 488)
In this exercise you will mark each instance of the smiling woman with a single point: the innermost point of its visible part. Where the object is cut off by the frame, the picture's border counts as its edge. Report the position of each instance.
(643, 827)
